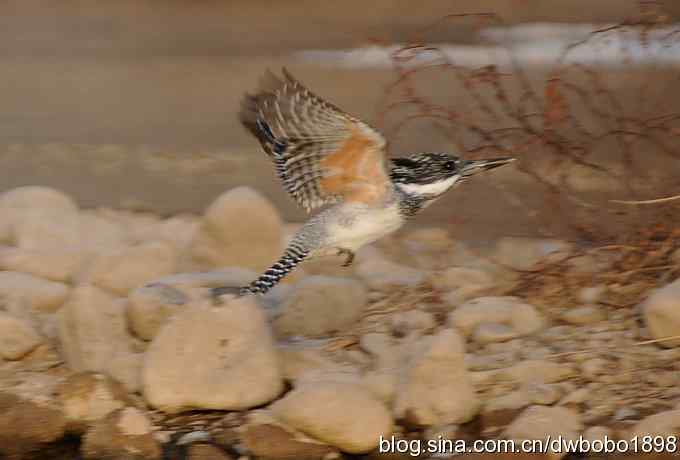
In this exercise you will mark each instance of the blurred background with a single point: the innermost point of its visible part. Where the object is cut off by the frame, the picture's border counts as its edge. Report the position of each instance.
(541, 299)
(132, 104)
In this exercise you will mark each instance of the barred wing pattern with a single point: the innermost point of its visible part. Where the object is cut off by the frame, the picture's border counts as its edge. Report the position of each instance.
(322, 155)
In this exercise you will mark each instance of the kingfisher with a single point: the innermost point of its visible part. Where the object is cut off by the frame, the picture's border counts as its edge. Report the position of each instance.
(335, 164)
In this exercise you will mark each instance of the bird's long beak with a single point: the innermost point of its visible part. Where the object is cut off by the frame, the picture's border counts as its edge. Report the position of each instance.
(471, 167)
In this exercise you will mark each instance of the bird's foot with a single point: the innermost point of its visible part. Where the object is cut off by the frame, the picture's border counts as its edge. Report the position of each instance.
(349, 256)
(217, 293)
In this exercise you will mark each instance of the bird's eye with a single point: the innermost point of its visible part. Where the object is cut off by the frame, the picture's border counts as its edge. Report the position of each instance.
(450, 165)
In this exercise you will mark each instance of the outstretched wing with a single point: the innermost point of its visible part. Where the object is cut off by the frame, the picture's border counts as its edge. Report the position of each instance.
(322, 154)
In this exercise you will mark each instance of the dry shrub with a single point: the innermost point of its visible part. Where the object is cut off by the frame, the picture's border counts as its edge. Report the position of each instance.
(586, 135)
(637, 264)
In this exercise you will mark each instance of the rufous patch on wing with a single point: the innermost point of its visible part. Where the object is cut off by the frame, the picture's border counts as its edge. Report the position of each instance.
(356, 170)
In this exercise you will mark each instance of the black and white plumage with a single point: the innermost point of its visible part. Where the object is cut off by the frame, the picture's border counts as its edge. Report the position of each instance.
(424, 177)
(309, 141)
(327, 158)
(291, 258)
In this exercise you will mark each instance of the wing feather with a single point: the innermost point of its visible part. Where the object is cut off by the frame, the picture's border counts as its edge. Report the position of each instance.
(322, 154)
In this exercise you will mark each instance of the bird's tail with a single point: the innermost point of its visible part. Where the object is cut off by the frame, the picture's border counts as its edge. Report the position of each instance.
(294, 254)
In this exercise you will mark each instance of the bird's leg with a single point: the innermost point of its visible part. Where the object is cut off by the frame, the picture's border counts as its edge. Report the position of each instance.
(349, 256)
(295, 253)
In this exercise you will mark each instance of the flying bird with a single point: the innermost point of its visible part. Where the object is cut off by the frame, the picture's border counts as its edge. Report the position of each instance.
(328, 159)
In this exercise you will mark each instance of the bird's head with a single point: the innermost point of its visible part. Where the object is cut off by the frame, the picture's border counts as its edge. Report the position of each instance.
(429, 175)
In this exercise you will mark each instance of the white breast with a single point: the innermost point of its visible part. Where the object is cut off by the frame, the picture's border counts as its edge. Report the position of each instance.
(356, 226)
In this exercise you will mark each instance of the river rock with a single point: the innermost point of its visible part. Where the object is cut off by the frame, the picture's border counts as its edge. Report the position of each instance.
(17, 337)
(380, 273)
(93, 336)
(87, 397)
(320, 305)
(435, 388)
(463, 283)
(535, 371)
(24, 206)
(151, 306)
(22, 292)
(539, 422)
(665, 423)
(213, 358)
(586, 314)
(122, 270)
(266, 438)
(125, 434)
(27, 426)
(523, 319)
(240, 228)
(525, 253)
(352, 419)
(54, 264)
(662, 313)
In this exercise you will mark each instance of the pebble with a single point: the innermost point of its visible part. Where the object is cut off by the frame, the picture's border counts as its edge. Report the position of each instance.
(662, 424)
(382, 274)
(320, 305)
(675, 257)
(87, 397)
(537, 371)
(625, 413)
(435, 388)
(589, 264)
(382, 347)
(193, 437)
(296, 360)
(661, 312)
(119, 271)
(25, 293)
(591, 294)
(382, 384)
(125, 433)
(525, 253)
(93, 334)
(264, 437)
(75, 268)
(665, 378)
(578, 396)
(38, 217)
(493, 332)
(27, 426)
(543, 393)
(593, 368)
(513, 400)
(206, 452)
(17, 337)
(587, 314)
(459, 277)
(463, 284)
(523, 319)
(62, 265)
(213, 358)
(412, 321)
(229, 226)
(426, 247)
(151, 306)
(539, 422)
(352, 419)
